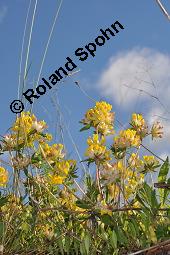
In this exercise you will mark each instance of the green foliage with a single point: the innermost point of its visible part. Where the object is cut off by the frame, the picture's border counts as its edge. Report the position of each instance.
(45, 210)
(164, 171)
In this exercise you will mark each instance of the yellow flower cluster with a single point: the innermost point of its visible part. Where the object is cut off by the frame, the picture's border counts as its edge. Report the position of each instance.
(156, 130)
(56, 179)
(53, 152)
(121, 179)
(138, 123)
(133, 180)
(26, 129)
(100, 118)
(68, 200)
(134, 161)
(3, 177)
(60, 171)
(127, 138)
(97, 149)
(27, 122)
(12, 207)
(150, 160)
(150, 163)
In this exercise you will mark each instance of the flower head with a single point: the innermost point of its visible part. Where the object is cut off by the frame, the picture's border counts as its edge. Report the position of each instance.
(53, 152)
(138, 123)
(116, 175)
(23, 124)
(60, 172)
(56, 179)
(100, 118)
(150, 163)
(97, 149)
(134, 161)
(3, 176)
(27, 130)
(156, 130)
(39, 126)
(127, 138)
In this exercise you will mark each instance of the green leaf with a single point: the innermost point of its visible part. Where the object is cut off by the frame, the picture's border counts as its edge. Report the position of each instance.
(138, 198)
(166, 192)
(163, 171)
(3, 201)
(36, 158)
(82, 249)
(2, 229)
(83, 204)
(85, 127)
(136, 225)
(104, 236)
(145, 197)
(25, 227)
(76, 247)
(106, 219)
(154, 201)
(87, 242)
(60, 244)
(132, 230)
(88, 160)
(122, 237)
(67, 244)
(113, 239)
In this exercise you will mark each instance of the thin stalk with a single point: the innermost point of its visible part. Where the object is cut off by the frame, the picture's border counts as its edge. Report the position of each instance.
(47, 45)
(98, 180)
(29, 43)
(22, 49)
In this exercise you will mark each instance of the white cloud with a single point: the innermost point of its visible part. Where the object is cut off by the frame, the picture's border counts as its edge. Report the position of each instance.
(141, 77)
(140, 70)
(3, 12)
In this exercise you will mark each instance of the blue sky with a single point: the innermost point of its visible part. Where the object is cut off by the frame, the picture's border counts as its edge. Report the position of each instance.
(126, 63)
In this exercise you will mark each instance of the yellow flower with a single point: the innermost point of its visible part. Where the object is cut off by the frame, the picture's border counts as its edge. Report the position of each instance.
(97, 149)
(60, 171)
(100, 118)
(104, 208)
(48, 137)
(139, 124)
(53, 152)
(121, 180)
(39, 126)
(150, 163)
(26, 130)
(56, 179)
(71, 162)
(134, 161)
(149, 159)
(23, 124)
(3, 176)
(114, 190)
(68, 200)
(127, 138)
(62, 167)
(136, 204)
(152, 234)
(9, 141)
(156, 130)
(138, 120)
